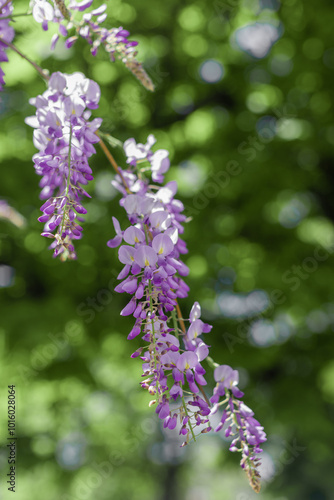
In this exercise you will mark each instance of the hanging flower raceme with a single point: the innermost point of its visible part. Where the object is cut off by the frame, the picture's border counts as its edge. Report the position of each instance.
(65, 137)
(172, 355)
(6, 34)
(238, 421)
(115, 40)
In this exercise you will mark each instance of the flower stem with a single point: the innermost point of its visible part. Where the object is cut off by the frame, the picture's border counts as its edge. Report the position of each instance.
(211, 362)
(176, 326)
(41, 71)
(111, 140)
(186, 412)
(68, 180)
(113, 162)
(179, 315)
(17, 15)
(69, 162)
(152, 323)
(4, 5)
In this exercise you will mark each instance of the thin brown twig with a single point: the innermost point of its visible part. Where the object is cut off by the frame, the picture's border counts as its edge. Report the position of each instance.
(179, 315)
(113, 162)
(4, 5)
(41, 71)
(13, 16)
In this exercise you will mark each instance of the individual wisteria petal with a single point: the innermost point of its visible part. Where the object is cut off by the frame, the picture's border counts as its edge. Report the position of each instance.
(202, 351)
(162, 245)
(129, 308)
(160, 221)
(83, 5)
(115, 242)
(133, 235)
(6, 34)
(54, 41)
(126, 254)
(153, 275)
(130, 204)
(63, 135)
(160, 165)
(195, 312)
(145, 256)
(195, 329)
(187, 360)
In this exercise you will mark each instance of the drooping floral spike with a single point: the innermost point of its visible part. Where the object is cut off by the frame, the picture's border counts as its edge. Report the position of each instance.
(65, 137)
(114, 41)
(6, 35)
(247, 432)
(150, 249)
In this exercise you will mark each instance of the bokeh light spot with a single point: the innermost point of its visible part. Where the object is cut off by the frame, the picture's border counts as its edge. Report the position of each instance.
(212, 71)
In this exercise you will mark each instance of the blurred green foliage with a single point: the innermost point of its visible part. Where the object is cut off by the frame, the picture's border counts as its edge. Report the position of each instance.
(243, 103)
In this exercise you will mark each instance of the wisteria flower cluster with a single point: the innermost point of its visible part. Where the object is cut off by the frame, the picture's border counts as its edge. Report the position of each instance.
(6, 34)
(115, 40)
(65, 137)
(173, 348)
(172, 355)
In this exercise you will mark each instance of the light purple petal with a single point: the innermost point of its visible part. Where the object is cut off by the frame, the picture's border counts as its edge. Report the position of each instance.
(99, 10)
(222, 372)
(83, 5)
(160, 220)
(129, 308)
(187, 360)
(162, 244)
(195, 312)
(54, 41)
(57, 81)
(145, 256)
(195, 329)
(130, 204)
(166, 193)
(134, 235)
(126, 254)
(202, 351)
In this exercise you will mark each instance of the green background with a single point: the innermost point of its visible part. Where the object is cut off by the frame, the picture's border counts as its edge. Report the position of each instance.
(253, 157)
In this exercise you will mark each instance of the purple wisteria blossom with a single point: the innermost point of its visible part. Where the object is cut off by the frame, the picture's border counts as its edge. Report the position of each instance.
(65, 138)
(115, 40)
(238, 421)
(150, 249)
(138, 153)
(6, 35)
